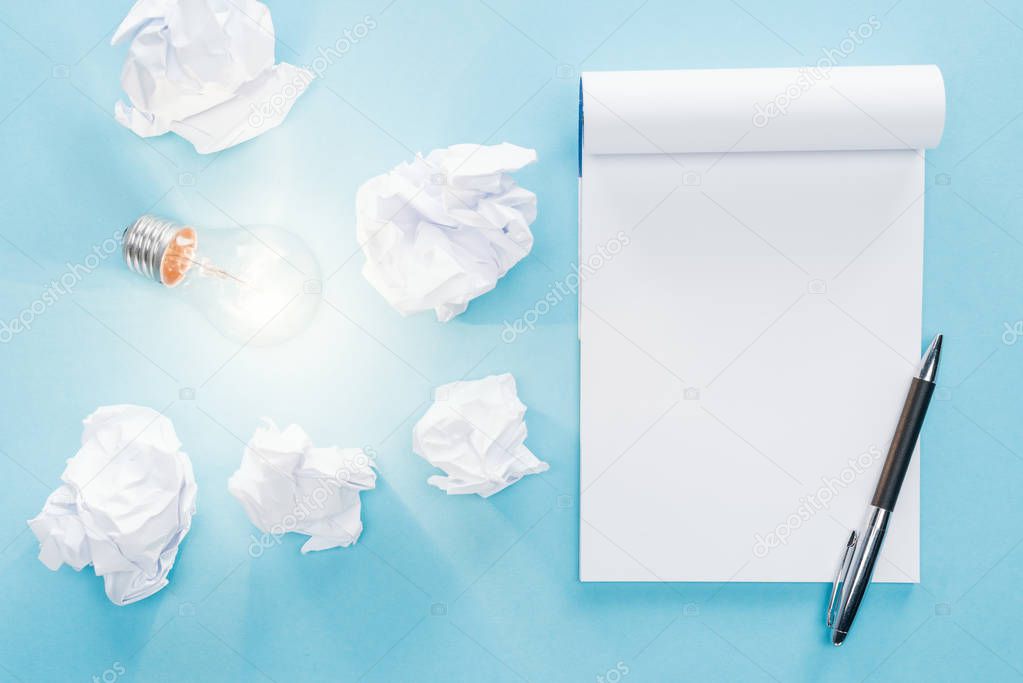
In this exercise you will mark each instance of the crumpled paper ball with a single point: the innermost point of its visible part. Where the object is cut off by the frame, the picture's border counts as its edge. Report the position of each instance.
(442, 229)
(474, 431)
(204, 69)
(125, 505)
(286, 484)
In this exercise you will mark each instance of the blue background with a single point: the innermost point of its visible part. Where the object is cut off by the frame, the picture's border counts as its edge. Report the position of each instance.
(461, 588)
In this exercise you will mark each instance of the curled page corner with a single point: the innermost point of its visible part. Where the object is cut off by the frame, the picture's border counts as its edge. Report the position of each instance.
(125, 505)
(832, 108)
(286, 484)
(441, 230)
(204, 69)
(475, 432)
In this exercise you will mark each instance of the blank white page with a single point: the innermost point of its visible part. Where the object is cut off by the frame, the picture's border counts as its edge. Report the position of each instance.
(747, 335)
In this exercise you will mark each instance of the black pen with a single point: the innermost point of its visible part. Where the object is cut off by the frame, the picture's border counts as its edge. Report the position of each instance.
(862, 551)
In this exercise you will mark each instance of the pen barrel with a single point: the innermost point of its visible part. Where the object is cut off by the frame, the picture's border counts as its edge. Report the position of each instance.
(903, 443)
(861, 569)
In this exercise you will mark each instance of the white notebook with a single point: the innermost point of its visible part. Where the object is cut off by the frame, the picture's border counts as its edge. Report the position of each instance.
(751, 255)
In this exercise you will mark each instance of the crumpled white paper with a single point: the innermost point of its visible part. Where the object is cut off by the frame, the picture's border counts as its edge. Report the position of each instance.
(441, 230)
(286, 484)
(125, 505)
(204, 69)
(474, 431)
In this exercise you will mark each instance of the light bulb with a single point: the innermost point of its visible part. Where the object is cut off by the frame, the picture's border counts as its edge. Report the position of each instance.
(258, 285)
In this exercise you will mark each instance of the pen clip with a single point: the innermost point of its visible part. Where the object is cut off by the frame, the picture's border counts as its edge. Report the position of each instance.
(840, 576)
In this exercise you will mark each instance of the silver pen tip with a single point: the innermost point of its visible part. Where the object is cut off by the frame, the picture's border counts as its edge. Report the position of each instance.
(929, 362)
(838, 637)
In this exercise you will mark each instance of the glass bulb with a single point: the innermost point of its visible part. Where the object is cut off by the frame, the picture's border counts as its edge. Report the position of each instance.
(258, 285)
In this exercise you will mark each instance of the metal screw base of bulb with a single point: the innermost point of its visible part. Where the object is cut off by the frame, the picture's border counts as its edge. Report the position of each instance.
(145, 242)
